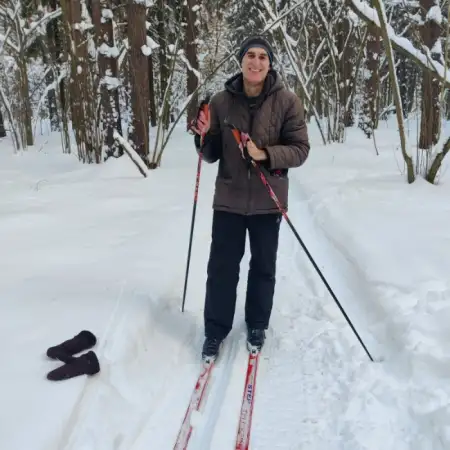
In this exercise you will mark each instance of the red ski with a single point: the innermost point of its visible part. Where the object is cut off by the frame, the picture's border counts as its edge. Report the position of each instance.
(248, 398)
(194, 405)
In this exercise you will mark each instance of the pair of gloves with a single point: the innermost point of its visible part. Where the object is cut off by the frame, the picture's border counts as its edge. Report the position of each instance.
(73, 366)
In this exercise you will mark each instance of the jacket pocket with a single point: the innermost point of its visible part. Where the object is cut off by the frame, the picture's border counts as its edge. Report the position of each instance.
(223, 172)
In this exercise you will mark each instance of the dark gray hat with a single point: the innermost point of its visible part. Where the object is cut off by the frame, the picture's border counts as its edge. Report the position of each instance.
(255, 41)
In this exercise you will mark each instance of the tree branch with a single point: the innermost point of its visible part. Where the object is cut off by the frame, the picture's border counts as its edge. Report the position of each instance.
(421, 57)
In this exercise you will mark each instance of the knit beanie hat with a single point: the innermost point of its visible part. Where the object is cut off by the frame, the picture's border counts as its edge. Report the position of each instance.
(255, 41)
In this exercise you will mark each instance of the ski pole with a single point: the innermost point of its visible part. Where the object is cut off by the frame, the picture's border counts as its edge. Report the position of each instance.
(283, 212)
(194, 210)
(286, 217)
(203, 107)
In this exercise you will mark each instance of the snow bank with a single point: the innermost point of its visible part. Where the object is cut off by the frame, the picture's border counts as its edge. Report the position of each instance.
(395, 238)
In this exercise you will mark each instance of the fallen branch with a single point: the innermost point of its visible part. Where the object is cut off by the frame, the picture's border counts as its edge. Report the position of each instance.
(134, 156)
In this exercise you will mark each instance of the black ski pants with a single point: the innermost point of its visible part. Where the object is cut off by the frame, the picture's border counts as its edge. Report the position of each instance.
(229, 233)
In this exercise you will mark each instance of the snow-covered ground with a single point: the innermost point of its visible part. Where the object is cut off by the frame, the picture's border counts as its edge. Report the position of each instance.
(103, 249)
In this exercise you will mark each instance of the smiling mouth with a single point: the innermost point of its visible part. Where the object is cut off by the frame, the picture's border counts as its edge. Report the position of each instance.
(255, 70)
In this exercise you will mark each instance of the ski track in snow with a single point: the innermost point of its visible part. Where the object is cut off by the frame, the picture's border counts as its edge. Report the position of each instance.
(330, 376)
(315, 381)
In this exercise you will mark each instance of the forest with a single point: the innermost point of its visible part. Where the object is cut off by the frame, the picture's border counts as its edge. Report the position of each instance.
(115, 77)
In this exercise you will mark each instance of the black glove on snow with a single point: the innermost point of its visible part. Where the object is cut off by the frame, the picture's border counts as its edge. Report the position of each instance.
(64, 351)
(86, 364)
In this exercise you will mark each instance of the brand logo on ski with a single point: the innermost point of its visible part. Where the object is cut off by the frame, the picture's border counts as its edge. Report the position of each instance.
(248, 399)
(249, 392)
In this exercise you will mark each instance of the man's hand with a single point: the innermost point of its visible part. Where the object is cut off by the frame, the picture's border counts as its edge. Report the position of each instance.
(202, 123)
(255, 152)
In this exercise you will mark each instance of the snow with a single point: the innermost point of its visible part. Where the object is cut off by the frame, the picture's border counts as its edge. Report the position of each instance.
(108, 51)
(107, 14)
(146, 50)
(111, 82)
(151, 43)
(132, 153)
(103, 248)
(435, 14)
(146, 3)
(404, 43)
(196, 72)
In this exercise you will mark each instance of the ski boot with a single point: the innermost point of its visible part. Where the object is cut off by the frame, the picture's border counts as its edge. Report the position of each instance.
(255, 339)
(211, 349)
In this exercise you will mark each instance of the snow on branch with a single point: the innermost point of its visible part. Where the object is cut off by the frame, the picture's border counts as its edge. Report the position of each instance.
(421, 57)
(134, 156)
(275, 22)
(6, 41)
(38, 27)
(146, 3)
(197, 73)
(22, 36)
(147, 49)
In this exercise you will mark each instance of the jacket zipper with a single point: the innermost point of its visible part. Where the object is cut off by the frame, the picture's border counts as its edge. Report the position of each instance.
(249, 168)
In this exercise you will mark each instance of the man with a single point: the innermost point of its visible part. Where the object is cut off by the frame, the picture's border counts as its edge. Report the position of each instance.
(255, 102)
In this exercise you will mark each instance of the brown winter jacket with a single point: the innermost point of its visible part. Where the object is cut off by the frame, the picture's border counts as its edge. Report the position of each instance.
(275, 122)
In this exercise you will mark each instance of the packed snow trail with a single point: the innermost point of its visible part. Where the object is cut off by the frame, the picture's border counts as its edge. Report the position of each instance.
(103, 249)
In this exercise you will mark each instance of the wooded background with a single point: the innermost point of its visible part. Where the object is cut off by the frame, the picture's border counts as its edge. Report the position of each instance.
(104, 71)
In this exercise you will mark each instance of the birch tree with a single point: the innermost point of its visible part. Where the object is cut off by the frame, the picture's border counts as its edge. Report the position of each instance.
(23, 28)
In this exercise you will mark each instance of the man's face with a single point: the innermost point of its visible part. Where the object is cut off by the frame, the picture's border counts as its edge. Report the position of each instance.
(255, 65)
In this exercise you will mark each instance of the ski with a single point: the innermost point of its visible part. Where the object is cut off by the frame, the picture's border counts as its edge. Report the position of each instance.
(195, 404)
(248, 399)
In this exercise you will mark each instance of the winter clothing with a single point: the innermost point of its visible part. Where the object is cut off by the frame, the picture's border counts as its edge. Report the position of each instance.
(255, 41)
(64, 351)
(86, 364)
(212, 345)
(227, 248)
(211, 348)
(275, 122)
(255, 339)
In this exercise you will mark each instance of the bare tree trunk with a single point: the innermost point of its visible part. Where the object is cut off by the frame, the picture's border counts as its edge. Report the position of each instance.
(137, 36)
(152, 93)
(319, 102)
(192, 32)
(59, 46)
(436, 165)
(26, 113)
(55, 49)
(2, 126)
(163, 64)
(369, 120)
(107, 64)
(82, 89)
(393, 76)
(430, 125)
(346, 49)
